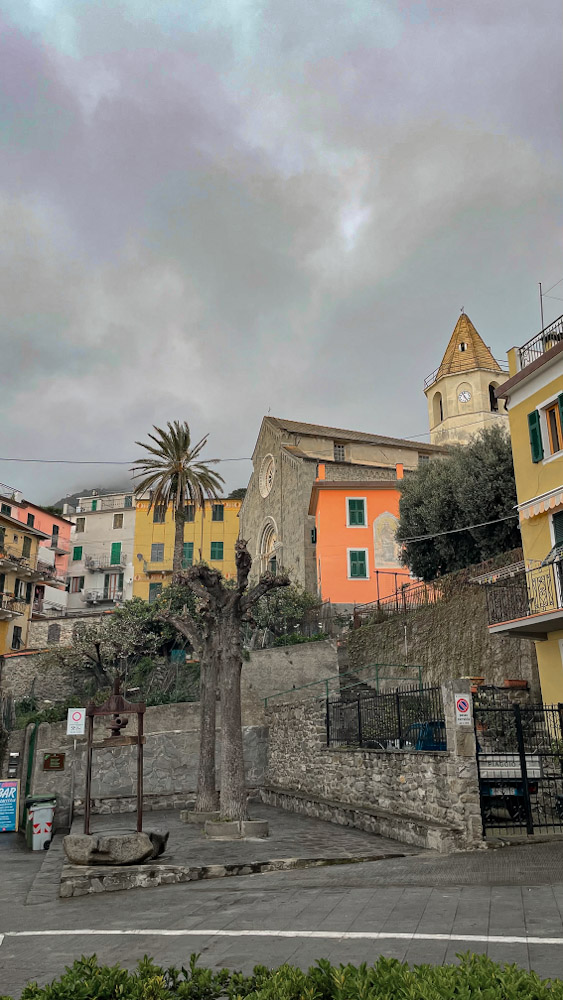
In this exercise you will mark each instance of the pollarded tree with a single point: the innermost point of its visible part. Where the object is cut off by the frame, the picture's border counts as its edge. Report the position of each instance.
(222, 609)
(175, 475)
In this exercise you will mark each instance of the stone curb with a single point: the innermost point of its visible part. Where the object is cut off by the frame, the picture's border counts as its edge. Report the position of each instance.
(79, 881)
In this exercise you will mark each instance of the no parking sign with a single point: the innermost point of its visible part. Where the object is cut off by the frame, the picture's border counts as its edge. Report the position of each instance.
(463, 710)
(76, 720)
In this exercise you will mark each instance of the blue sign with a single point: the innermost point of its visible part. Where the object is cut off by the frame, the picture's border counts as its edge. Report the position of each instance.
(9, 800)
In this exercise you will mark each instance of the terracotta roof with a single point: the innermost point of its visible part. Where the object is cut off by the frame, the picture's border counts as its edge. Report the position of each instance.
(337, 433)
(475, 355)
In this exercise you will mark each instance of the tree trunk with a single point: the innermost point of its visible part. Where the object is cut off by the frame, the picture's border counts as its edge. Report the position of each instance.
(180, 519)
(233, 783)
(206, 796)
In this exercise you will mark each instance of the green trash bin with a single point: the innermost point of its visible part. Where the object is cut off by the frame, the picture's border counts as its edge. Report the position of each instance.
(39, 817)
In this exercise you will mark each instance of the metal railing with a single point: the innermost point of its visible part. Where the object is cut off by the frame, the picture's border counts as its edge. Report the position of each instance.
(407, 598)
(372, 677)
(60, 544)
(533, 592)
(103, 594)
(13, 604)
(542, 342)
(411, 719)
(430, 379)
(104, 561)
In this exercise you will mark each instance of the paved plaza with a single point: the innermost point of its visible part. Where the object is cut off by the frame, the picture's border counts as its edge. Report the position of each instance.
(420, 908)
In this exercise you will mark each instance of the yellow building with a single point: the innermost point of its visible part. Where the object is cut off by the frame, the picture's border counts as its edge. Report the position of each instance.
(528, 603)
(461, 392)
(210, 533)
(19, 547)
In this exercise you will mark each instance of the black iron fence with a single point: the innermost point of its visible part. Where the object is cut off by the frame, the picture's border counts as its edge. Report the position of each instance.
(520, 762)
(532, 592)
(542, 342)
(411, 719)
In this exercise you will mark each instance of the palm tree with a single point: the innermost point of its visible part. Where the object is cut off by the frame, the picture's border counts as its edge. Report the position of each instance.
(175, 476)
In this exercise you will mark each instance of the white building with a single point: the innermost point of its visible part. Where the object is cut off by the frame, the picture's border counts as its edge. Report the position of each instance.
(100, 569)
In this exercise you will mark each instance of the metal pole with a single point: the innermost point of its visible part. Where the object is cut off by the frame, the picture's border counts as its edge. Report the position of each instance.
(522, 754)
(398, 707)
(360, 722)
(327, 723)
(541, 304)
(140, 773)
(72, 774)
(88, 775)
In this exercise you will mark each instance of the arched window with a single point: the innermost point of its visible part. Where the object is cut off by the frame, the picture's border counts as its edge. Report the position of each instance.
(438, 408)
(53, 633)
(268, 548)
(492, 398)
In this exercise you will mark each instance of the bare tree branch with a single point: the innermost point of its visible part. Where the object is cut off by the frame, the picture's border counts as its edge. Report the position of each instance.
(184, 625)
(266, 583)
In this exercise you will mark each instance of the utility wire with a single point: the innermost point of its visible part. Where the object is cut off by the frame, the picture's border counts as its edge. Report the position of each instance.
(455, 531)
(78, 461)
(553, 286)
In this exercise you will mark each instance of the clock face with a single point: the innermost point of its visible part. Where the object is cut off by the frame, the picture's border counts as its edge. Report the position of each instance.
(464, 396)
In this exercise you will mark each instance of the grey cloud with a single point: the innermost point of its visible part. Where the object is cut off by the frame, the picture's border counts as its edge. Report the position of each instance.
(209, 210)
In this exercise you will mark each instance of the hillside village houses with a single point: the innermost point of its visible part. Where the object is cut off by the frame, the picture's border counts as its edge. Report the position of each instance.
(526, 600)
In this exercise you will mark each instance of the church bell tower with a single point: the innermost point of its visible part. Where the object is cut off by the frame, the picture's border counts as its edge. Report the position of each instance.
(461, 392)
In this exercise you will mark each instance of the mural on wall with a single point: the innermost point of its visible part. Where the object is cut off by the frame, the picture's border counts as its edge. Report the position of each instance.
(387, 551)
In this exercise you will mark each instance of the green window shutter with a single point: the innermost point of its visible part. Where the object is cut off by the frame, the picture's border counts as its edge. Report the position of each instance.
(188, 556)
(115, 558)
(558, 528)
(28, 593)
(217, 550)
(26, 550)
(535, 436)
(155, 589)
(94, 506)
(356, 512)
(77, 553)
(560, 401)
(358, 564)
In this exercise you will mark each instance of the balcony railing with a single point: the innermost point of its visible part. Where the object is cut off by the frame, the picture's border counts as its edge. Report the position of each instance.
(534, 592)
(104, 561)
(430, 379)
(99, 596)
(12, 604)
(542, 342)
(60, 545)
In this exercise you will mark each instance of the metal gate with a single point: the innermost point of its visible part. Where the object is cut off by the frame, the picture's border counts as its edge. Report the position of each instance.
(520, 764)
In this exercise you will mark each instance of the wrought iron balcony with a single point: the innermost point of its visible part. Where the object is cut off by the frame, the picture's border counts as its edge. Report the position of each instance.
(541, 343)
(10, 607)
(105, 561)
(101, 596)
(59, 545)
(528, 604)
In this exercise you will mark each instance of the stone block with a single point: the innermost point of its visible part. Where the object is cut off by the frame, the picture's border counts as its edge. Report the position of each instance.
(254, 828)
(189, 816)
(108, 849)
(223, 831)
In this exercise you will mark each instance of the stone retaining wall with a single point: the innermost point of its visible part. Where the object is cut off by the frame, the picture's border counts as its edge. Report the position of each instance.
(429, 799)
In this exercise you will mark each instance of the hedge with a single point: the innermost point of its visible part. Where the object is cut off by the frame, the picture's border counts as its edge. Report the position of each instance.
(388, 979)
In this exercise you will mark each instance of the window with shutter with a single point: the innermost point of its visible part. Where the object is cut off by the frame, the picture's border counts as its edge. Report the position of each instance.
(358, 569)
(216, 551)
(155, 589)
(26, 549)
(77, 553)
(558, 529)
(188, 556)
(356, 512)
(157, 552)
(115, 556)
(534, 429)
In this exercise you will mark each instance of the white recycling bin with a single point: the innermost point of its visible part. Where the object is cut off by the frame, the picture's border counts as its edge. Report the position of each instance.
(39, 821)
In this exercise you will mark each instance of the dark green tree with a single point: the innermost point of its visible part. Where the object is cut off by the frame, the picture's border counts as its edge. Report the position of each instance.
(475, 483)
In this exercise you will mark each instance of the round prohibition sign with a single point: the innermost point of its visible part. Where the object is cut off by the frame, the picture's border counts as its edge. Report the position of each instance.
(462, 706)
(76, 716)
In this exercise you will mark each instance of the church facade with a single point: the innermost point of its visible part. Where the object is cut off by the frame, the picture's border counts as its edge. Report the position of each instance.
(461, 393)
(285, 529)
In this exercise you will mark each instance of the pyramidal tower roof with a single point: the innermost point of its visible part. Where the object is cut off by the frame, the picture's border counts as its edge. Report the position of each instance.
(466, 350)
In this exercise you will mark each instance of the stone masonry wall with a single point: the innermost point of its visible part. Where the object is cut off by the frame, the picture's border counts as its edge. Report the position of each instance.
(448, 639)
(269, 671)
(426, 798)
(170, 763)
(22, 674)
(38, 636)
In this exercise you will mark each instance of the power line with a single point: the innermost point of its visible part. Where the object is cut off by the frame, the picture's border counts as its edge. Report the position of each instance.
(553, 286)
(77, 461)
(455, 531)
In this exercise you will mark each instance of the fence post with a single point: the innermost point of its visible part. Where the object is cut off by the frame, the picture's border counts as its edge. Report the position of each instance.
(327, 722)
(360, 721)
(462, 763)
(523, 768)
(398, 708)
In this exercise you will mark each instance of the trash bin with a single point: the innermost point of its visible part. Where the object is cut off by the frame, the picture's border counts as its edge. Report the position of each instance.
(39, 815)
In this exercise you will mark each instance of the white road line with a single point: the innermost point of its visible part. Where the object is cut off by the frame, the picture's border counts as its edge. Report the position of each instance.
(326, 935)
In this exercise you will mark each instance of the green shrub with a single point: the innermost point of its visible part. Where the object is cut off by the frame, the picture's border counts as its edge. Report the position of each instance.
(296, 638)
(388, 979)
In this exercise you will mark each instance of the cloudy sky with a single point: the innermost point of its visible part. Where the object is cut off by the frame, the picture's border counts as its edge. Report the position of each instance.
(212, 209)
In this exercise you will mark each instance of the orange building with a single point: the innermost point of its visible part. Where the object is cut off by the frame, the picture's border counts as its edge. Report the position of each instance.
(358, 558)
